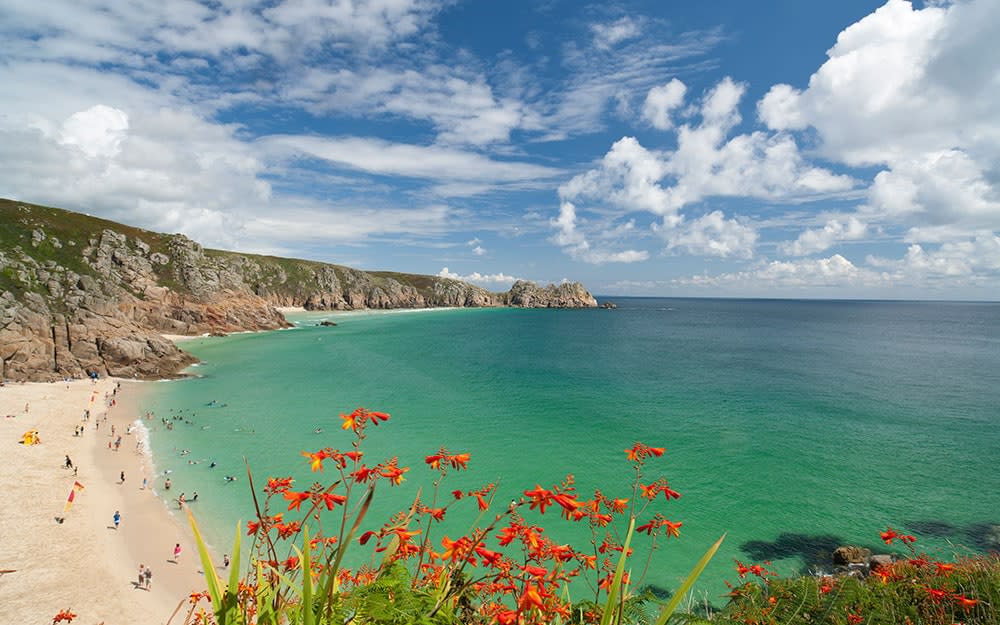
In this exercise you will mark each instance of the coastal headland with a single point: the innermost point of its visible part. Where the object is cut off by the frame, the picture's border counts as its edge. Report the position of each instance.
(81, 295)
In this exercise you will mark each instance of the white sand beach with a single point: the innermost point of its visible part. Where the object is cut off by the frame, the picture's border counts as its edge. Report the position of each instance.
(84, 564)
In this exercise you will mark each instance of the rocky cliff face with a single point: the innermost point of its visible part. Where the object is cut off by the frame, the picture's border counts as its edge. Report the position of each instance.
(81, 295)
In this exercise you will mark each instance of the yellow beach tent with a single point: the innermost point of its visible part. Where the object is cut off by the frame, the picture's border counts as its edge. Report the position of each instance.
(30, 438)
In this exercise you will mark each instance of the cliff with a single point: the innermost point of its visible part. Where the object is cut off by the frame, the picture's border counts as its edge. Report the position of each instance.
(80, 294)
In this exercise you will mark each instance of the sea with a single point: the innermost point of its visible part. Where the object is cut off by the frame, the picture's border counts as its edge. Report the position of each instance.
(791, 427)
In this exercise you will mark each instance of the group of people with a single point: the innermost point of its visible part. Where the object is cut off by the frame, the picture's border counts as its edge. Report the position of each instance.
(145, 577)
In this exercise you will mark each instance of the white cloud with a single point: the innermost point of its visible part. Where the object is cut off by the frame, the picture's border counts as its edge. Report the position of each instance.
(613, 33)
(459, 103)
(976, 260)
(478, 278)
(817, 240)
(936, 188)
(98, 131)
(835, 271)
(712, 235)
(706, 163)
(602, 81)
(913, 92)
(575, 243)
(661, 101)
(476, 246)
(376, 156)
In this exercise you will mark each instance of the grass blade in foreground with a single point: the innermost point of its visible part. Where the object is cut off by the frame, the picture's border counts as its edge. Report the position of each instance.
(211, 577)
(611, 608)
(668, 611)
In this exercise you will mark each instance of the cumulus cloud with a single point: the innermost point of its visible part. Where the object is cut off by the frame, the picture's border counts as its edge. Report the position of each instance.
(661, 102)
(478, 278)
(707, 162)
(977, 260)
(912, 92)
(575, 243)
(835, 271)
(819, 239)
(712, 235)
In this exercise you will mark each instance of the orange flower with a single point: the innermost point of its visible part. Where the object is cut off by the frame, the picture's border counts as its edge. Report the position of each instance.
(330, 500)
(889, 535)
(965, 602)
(436, 513)
(64, 615)
(530, 598)
(854, 619)
(540, 498)
(459, 461)
(393, 473)
(357, 419)
(363, 474)
(296, 499)
(434, 461)
(944, 569)
(616, 505)
(673, 529)
(316, 459)
(277, 485)
(252, 527)
(639, 452)
(937, 595)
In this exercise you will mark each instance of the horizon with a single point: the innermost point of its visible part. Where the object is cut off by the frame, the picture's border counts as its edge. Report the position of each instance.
(846, 151)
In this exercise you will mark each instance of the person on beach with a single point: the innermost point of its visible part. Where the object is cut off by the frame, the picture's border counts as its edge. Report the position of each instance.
(180, 501)
(144, 482)
(167, 484)
(225, 560)
(177, 553)
(69, 463)
(142, 576)
(118, 519)
(122, 477)
(149, 577)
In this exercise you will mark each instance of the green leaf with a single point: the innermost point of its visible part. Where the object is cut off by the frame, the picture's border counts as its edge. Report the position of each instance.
(308, 615)
(668, 610)
(211, 577)
(616, 581)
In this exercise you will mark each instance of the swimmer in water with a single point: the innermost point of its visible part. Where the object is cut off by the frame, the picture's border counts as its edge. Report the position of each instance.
(230, 478)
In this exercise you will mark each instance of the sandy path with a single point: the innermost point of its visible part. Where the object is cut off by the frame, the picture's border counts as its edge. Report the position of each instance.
(83, 564)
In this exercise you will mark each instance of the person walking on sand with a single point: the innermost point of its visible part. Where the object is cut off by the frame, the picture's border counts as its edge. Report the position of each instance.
(118, 519)
(149, 577)
(122, 477)
(69, 463)
(142, 576)
(177, 553)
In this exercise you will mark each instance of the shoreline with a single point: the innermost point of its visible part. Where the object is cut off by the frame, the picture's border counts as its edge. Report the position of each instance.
(84, 564)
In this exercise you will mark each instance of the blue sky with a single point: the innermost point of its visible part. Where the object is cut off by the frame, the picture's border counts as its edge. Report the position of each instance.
(727, 148)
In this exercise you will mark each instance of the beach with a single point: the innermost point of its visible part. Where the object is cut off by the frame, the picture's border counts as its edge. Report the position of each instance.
(84, 564)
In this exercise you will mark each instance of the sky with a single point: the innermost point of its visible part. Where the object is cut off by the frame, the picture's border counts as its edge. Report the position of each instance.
(778, 148)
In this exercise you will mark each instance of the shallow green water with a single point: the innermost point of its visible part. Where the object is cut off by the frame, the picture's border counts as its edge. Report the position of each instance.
(794, 426)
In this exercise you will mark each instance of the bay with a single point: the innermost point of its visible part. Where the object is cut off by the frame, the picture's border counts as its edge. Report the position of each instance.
(793, 426)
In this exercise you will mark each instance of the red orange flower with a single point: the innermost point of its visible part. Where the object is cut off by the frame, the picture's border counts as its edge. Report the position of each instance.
(296, 499)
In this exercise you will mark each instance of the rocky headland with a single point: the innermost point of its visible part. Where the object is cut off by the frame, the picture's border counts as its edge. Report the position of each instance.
(80, 294)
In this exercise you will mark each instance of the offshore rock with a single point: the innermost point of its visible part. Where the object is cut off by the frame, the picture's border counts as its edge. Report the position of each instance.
(849, 554)
(566, 295)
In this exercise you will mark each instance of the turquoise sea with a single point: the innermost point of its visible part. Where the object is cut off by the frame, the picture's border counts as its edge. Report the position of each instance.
(793, 426)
